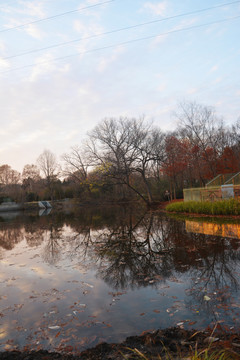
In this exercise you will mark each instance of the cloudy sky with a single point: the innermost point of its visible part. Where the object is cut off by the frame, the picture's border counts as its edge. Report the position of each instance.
(65, 65)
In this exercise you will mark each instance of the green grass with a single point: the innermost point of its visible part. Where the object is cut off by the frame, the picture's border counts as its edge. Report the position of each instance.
(224, 207)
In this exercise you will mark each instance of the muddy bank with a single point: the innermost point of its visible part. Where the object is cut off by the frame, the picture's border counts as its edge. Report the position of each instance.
(175, 341)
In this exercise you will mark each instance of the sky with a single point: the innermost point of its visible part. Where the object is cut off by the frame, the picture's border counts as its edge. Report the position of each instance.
(66, 65)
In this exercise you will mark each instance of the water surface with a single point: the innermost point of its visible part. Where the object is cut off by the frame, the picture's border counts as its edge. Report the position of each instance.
(70, 281)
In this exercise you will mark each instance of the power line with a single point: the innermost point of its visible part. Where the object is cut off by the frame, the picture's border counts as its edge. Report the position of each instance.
(56, 16)
(118, 30)
(122, 43)
(109, 1)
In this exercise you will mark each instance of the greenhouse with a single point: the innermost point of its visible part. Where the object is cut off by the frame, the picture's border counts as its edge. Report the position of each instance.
(223, 186)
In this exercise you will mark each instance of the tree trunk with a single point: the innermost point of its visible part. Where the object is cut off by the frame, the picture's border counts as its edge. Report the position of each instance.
(149, 193)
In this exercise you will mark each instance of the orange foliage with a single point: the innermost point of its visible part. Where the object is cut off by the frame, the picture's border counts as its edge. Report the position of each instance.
(182, 157)
(227, 162)
(177, 156)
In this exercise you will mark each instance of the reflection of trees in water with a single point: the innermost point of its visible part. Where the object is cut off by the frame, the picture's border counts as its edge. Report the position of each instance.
(156, 247)
(35, 231)
(34, 234)
(52, 245)
(134, 252)
(80, 243)
(212, 262)
(10, 235)
(128, 248)
(210, 257)
(219, 264)
(216, 274)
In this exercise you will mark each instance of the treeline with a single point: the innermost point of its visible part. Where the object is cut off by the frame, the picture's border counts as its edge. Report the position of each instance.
(129, 158)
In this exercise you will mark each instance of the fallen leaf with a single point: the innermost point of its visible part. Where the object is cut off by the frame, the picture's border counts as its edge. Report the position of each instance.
(210, 339)
(56, 327)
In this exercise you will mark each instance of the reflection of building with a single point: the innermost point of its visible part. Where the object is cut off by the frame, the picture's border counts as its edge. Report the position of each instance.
(223, 186)
(224, 230)
(9, 206)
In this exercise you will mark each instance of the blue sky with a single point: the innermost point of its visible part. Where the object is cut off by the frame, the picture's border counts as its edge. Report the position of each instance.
(51, 103)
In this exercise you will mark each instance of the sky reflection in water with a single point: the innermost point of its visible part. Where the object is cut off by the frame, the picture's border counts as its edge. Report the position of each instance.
(104, 274)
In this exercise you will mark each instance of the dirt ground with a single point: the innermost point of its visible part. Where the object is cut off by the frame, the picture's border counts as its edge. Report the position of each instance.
(175, 341)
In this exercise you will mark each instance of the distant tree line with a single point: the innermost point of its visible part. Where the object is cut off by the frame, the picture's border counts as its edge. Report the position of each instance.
(130, 158)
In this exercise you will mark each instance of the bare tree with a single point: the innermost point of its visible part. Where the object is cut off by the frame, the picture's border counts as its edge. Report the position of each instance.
(31, 172)
(234, 135)
(76, 164)
(126, 147)
(30, 181)
(47, 163)
(8, 176)
(10, 182)
(205, 132)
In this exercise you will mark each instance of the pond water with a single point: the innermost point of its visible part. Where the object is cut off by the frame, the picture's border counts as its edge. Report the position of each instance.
(70, 281)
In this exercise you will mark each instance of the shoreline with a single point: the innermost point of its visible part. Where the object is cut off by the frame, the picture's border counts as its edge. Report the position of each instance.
(166, 343)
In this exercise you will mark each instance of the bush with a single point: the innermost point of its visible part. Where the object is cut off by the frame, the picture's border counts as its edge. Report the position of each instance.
(224, 207)
(31, 197)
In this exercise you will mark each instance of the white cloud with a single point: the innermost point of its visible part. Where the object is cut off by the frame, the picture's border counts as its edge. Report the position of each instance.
(185, 24)
(86, 31)
(89, 29)
(162, 87)
(93, 10)
(55, 103)
(4, 64)
(218, 103)
(23, 13)
(34, 31)
(71, 135)
(31, 8)
(2, 47)
(92, 2)
(192, 91)
(181, 25)
(12, 22)
(217, 80)
(30, 137)
(214, 68)
(156, 8)
(45, 65)
(106, 61)
(159, 39)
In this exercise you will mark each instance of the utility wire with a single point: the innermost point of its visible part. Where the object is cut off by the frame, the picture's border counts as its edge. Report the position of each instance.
(117, 30)
(109, 1)
(56, 16)
(123, 43)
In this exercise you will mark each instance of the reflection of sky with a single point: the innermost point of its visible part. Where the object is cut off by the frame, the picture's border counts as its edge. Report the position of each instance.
(43, 302)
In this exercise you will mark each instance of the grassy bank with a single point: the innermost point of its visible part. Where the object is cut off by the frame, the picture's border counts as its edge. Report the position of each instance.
(206, 354)
(224, 207)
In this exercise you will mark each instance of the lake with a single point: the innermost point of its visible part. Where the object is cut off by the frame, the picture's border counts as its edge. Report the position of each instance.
(71, 280)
